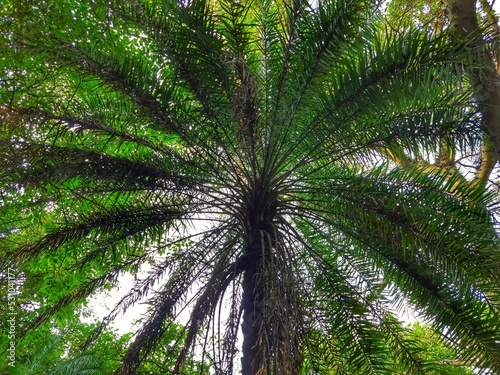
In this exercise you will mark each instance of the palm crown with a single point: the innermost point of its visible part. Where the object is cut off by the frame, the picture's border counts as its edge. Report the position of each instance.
(240, 148)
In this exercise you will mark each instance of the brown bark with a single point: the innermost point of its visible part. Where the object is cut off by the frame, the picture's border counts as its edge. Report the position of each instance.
(488, 162)
(270, 310)
(484, 79)
(254, 358)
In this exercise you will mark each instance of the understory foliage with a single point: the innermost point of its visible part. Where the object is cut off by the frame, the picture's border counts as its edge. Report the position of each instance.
(55, 351)
(233, 155)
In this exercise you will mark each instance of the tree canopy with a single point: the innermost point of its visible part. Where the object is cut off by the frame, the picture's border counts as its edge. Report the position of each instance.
(267, 163)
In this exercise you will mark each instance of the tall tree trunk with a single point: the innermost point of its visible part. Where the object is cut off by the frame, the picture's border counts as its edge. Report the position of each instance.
(271, 321)
(253, 361)
(485, 80)
(269, 300)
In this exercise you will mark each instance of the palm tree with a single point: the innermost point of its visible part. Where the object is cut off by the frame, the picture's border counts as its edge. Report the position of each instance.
(237, 148)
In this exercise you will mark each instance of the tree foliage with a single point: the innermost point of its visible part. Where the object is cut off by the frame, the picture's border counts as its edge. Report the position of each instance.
(477, 24)
(55, 350)
(441, 358)
(239, 148)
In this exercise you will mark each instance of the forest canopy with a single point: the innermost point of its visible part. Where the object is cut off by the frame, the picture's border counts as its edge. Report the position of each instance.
(288, 174)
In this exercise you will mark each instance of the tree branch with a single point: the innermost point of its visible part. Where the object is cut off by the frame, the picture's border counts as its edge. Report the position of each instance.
(488, 162)
(484, 80)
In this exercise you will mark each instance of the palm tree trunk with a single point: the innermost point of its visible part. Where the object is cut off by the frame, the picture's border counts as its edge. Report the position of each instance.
(253, 361)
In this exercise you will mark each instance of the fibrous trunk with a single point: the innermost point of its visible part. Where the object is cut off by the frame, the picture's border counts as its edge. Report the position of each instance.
(255, 350)
(271, 314)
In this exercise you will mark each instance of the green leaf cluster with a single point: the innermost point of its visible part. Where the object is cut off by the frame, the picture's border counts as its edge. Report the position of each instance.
(237, 153)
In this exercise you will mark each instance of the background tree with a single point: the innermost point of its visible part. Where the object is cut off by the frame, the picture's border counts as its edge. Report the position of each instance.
(441, 358)
(232, 147)
(57, 352)
(438, 352)
(476, 23)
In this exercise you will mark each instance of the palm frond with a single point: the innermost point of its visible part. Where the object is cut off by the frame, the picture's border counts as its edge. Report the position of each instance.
(237, 152)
